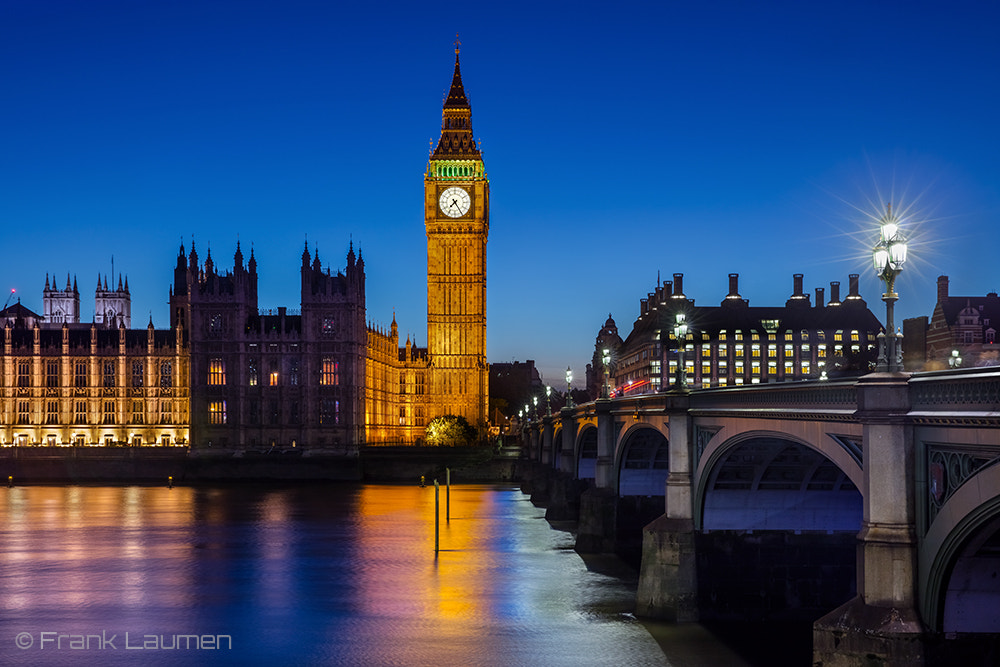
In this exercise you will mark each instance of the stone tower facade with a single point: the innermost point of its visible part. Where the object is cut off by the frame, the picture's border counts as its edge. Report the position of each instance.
(61, 305)
(456, 217)
(112, 307)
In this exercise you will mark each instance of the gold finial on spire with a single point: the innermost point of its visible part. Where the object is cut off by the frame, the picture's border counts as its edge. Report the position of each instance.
(458, 44)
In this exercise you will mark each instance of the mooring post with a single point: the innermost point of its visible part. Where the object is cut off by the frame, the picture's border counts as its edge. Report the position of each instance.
(437, 516)
(447, 494)
(170, 482)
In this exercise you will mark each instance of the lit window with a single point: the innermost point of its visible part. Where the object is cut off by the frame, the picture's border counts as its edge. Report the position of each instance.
(252, 375)
(216, 372)
(273, 381)
(217, 412)
(789, 352)
(329, 375)
(821, 351)
(854, 336)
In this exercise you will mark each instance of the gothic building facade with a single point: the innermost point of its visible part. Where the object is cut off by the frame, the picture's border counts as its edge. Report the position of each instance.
(66, 383)
(266, 379)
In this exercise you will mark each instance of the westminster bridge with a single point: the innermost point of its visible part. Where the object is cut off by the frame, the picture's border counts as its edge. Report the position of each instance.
(873, 503)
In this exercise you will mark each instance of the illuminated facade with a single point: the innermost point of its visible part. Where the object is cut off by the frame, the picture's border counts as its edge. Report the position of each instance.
(73, 384)
(456, 217)
(735, 343)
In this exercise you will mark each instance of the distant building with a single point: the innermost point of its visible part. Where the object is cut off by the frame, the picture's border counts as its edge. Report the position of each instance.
(963, 324)
(735, 343)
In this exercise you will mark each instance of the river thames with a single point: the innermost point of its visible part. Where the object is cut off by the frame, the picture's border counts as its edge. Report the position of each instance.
(313, 575)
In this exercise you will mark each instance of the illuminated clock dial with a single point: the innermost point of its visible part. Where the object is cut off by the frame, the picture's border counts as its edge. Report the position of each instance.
(454, 202)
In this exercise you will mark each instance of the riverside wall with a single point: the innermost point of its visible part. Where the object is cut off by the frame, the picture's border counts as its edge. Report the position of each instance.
(180, 465)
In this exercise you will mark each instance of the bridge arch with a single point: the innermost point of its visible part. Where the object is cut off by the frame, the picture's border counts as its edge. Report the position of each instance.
(765, 480)
(586, 452)
(962, 582)
(642, 461)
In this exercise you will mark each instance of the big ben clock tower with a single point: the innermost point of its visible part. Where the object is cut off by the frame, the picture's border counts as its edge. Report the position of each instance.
(457, 220)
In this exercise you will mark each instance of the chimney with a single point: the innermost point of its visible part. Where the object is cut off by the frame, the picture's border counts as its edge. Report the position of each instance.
(798, 297)
(734, 286)
(853, 289)
(834, 293)
(942, 291)
(819, 297)
(678, 285)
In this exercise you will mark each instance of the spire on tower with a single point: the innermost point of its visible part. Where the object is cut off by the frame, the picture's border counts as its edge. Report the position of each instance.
(456, 121)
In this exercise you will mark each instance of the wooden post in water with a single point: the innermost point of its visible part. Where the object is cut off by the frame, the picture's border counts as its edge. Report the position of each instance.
(447, 495)
(437, 516)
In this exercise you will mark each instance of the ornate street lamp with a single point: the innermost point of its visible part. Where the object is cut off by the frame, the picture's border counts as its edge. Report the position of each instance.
(534, 399)
(548, 401)
(889, 255)
(569, 387)
(606, 358)
(955, 361)
(680, 334)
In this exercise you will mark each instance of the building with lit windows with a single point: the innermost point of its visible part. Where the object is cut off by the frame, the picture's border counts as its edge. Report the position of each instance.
(65, 383)
(735, 343)
(961, 331)
(280, 378)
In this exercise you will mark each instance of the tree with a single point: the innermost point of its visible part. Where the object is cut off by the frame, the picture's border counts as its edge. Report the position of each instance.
(450, 431)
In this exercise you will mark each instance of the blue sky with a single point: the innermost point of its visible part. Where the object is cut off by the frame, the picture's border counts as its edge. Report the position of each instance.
(621, 140)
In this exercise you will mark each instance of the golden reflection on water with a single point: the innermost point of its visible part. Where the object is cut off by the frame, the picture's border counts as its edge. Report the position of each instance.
(443, 586)
(88, 546)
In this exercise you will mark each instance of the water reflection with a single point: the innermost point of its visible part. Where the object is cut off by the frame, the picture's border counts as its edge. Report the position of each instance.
(305, 575)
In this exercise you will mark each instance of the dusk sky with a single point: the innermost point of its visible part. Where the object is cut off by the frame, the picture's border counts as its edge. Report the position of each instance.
(621, 140)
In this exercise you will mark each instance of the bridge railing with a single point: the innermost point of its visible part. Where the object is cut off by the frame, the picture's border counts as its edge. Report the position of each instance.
(973, 390)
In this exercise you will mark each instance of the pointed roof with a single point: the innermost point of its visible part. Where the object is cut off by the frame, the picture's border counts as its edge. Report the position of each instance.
(456, 95)
(456, 140)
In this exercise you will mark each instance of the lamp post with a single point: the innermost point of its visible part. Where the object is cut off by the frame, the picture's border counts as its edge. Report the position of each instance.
(680, 334)
(889, 255)
(534, 399)
(955, 361)
(569, 387)
(548, 401)
(606, 358)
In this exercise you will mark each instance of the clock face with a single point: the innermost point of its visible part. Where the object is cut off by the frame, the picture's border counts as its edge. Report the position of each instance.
(454, 202)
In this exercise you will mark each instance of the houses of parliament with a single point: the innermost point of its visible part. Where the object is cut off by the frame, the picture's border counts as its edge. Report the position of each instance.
(228, 374)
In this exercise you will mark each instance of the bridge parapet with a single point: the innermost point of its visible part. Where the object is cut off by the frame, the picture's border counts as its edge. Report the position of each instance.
(975, 393)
